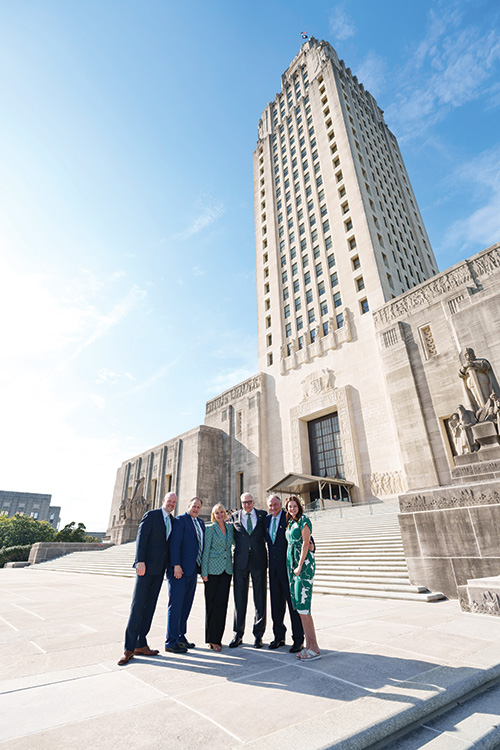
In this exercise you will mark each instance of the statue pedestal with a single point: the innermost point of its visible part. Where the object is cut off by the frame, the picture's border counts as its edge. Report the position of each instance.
(450, 533)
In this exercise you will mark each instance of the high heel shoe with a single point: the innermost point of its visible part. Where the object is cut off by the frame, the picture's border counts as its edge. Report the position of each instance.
(215, 647)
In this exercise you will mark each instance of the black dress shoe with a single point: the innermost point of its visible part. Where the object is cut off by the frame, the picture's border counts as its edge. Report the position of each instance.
(237, 641)
(176, 649)
(276, 644)
(186, 644)
(258, 643)
(296, 648)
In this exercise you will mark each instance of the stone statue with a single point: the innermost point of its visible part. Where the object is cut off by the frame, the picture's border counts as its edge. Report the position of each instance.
(477, 377)
(460, 425)
(490, 412)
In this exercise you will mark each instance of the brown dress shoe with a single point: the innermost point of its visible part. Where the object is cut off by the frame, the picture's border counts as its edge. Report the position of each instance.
(127, 655)
(146, 651)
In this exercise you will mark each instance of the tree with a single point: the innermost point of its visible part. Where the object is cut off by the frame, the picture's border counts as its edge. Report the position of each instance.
(24, 530)
(72, 533)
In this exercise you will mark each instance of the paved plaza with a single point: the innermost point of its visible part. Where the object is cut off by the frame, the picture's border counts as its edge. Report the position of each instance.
(385, 664)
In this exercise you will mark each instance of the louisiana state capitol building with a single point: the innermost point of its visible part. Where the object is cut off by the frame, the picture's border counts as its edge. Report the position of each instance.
(360, 338)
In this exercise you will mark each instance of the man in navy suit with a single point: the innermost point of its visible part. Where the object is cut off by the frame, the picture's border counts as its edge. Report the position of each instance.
(279, 587)
(186, 548)
(250, 559)
(151, 560)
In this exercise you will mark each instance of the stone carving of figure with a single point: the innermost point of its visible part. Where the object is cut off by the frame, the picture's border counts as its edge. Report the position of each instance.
(477, 378)
(490, 412)
(460, 427)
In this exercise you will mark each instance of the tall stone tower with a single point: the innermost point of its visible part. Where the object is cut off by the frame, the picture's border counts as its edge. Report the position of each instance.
(338, 232)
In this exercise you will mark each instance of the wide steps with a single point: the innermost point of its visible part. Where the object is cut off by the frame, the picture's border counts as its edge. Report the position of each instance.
(357, 555)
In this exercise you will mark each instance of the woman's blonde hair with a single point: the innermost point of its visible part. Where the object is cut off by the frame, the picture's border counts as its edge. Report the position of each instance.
(216, 507)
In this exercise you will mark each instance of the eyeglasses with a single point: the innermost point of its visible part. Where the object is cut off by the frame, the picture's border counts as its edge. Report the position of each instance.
(246, 502)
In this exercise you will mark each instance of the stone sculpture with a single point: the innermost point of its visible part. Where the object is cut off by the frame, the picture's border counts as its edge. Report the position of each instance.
(476, 374)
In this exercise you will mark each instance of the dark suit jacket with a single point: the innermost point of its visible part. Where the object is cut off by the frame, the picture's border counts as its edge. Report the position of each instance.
(249, 549)
(184, 543)
(152, 546)
(277, 551)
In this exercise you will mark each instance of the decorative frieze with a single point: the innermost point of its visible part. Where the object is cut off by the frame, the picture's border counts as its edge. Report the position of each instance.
(454, 497)
(464, 274)
(381, 483)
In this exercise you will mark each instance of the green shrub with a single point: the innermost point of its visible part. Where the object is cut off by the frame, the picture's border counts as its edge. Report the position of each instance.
(19, 553)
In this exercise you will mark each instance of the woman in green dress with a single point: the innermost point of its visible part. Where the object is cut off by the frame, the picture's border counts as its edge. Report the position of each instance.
(216, 571)
(301, 566)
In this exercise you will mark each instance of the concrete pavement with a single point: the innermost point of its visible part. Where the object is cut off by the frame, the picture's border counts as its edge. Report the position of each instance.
(385, 665)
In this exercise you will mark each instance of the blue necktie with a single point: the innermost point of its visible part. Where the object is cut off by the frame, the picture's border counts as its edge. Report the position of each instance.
(200, 540)
(168, 525)
(273, 530)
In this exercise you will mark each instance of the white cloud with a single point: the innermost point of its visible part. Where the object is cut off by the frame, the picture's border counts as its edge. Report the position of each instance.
(227, 379)
(197, 271)
(162, 372)
(450, 67)
(482, 226)
(341, 25)
(103, 323)
(372, 73)
(209, 212)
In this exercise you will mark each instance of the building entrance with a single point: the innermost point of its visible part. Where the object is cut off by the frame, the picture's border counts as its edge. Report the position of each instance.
(325, 450)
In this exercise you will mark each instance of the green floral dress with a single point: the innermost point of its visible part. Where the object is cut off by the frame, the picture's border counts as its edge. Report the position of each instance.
(300, 586)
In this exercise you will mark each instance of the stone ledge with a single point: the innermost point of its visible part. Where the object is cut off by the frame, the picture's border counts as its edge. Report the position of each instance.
(42, 551)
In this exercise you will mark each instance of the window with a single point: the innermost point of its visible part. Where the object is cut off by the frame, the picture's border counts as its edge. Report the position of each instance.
(340, 320)
(310, 315)
(287, 311)
(298, 303)
(300, 323)
(269, 359)
(305, 261)
(316, 251)
(312, 336)
(284, 277)
(268, 321)
(334, 279)
(348, 225)
(283, 260)
(352, 243)
(331, 260)
(328, 243)
(360, 284)
(319, 269)
(324, 308)
(294, 269)
(321, 288)
(309, 296)
(325, 328)
(326, 226)
(337, 299)
(314, 235)
(296, 286)
(269, 339)
(363, 304)
(288, 330)
(307, 278)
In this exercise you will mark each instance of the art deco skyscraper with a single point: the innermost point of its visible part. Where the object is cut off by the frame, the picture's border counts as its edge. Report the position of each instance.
(337, 225)
(338, 233)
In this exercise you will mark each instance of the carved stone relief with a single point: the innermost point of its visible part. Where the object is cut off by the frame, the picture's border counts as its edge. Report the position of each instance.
(464, 274)
(316, 382)
(456, 498)
(380, 483)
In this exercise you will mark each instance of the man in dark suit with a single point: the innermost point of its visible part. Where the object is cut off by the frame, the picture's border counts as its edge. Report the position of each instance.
(279, 586)
(151, 560)
(250, 559)
(186, 548)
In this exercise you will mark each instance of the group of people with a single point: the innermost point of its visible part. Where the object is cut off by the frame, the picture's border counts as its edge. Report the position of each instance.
(279, 541)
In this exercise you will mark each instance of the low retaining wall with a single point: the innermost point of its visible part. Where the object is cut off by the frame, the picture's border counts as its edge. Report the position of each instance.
(450, 535)
(42, 551)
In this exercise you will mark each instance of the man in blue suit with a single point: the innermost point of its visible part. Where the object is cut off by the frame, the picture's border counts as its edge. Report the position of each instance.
(186, 548)
(279, 587)
(151, 560)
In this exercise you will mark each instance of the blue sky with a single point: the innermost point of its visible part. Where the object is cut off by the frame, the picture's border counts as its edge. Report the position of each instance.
(126, 210)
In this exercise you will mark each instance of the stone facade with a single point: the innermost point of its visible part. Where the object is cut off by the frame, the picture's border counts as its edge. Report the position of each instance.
(32, 504)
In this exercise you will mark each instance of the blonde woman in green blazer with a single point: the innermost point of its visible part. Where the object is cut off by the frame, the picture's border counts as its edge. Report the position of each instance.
(216, 571)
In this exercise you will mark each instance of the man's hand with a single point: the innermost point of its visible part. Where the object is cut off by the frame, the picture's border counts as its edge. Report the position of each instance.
(140, 569)
(178, 572)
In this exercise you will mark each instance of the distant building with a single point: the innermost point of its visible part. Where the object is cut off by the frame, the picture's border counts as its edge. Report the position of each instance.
(359, 336)
(30, 504)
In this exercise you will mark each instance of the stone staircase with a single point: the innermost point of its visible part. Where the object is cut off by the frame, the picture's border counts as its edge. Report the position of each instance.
(359, 553)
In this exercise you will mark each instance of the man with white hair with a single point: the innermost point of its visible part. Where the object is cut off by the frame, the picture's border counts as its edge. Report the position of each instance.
(250, 559)
(279, 587)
